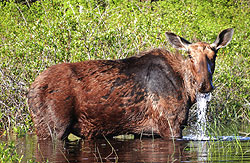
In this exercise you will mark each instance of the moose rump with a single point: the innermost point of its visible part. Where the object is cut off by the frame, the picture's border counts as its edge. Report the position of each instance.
(144, 94)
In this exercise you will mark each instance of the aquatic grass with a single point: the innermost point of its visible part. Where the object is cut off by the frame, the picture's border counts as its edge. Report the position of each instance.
(226, 151)
(218, 151)
(113, 150)
(239, 146)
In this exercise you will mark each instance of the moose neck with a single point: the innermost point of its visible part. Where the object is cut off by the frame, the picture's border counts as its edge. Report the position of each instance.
(186, 69)
(190, 80)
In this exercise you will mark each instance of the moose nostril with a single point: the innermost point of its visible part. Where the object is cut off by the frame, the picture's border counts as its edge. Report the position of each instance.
(207, 87)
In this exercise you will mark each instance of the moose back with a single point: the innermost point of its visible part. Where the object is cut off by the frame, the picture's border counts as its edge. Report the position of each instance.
(144, 94)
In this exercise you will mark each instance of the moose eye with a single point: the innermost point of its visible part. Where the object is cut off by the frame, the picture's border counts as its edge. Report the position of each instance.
(213, 59)
(215, 55)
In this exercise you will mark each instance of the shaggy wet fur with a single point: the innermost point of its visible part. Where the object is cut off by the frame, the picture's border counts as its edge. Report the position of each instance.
(148, 93)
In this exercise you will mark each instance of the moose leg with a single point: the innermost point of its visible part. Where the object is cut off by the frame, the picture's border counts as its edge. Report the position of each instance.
(169, 127)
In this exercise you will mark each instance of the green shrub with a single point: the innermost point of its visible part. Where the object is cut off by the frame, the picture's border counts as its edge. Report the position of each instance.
(8, 153)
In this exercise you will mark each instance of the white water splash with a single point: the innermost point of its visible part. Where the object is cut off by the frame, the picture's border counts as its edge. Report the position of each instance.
(202, 99)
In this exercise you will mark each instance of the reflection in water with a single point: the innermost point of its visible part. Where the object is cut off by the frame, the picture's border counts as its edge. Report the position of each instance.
(134, 150)
(200, 148)
(145, 150)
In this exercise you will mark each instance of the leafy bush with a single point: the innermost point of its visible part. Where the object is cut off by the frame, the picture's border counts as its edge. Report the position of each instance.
(38, 35)
(8, 153)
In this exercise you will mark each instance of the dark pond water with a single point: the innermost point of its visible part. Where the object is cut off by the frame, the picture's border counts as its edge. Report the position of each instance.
(134, 150)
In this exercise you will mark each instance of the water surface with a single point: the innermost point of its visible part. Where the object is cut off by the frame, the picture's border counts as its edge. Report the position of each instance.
(133, 150)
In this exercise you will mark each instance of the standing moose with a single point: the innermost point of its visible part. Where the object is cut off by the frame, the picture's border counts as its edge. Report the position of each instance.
(148, 93)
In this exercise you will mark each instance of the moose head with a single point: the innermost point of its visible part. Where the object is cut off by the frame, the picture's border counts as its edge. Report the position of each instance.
(202, 56)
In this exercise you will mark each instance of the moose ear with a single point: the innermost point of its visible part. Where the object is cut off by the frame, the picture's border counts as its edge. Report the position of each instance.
(223, 38)
(177, 41)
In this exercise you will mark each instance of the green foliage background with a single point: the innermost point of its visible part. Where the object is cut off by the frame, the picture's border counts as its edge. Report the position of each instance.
(37, 35)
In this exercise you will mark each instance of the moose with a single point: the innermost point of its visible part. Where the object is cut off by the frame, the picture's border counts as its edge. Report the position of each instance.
(151, 92)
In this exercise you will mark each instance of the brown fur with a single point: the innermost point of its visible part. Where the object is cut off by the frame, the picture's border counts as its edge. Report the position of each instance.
(92, 98)
(145, 94)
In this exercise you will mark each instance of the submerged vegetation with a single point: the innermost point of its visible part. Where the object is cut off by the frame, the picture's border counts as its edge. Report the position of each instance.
(34, 36)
